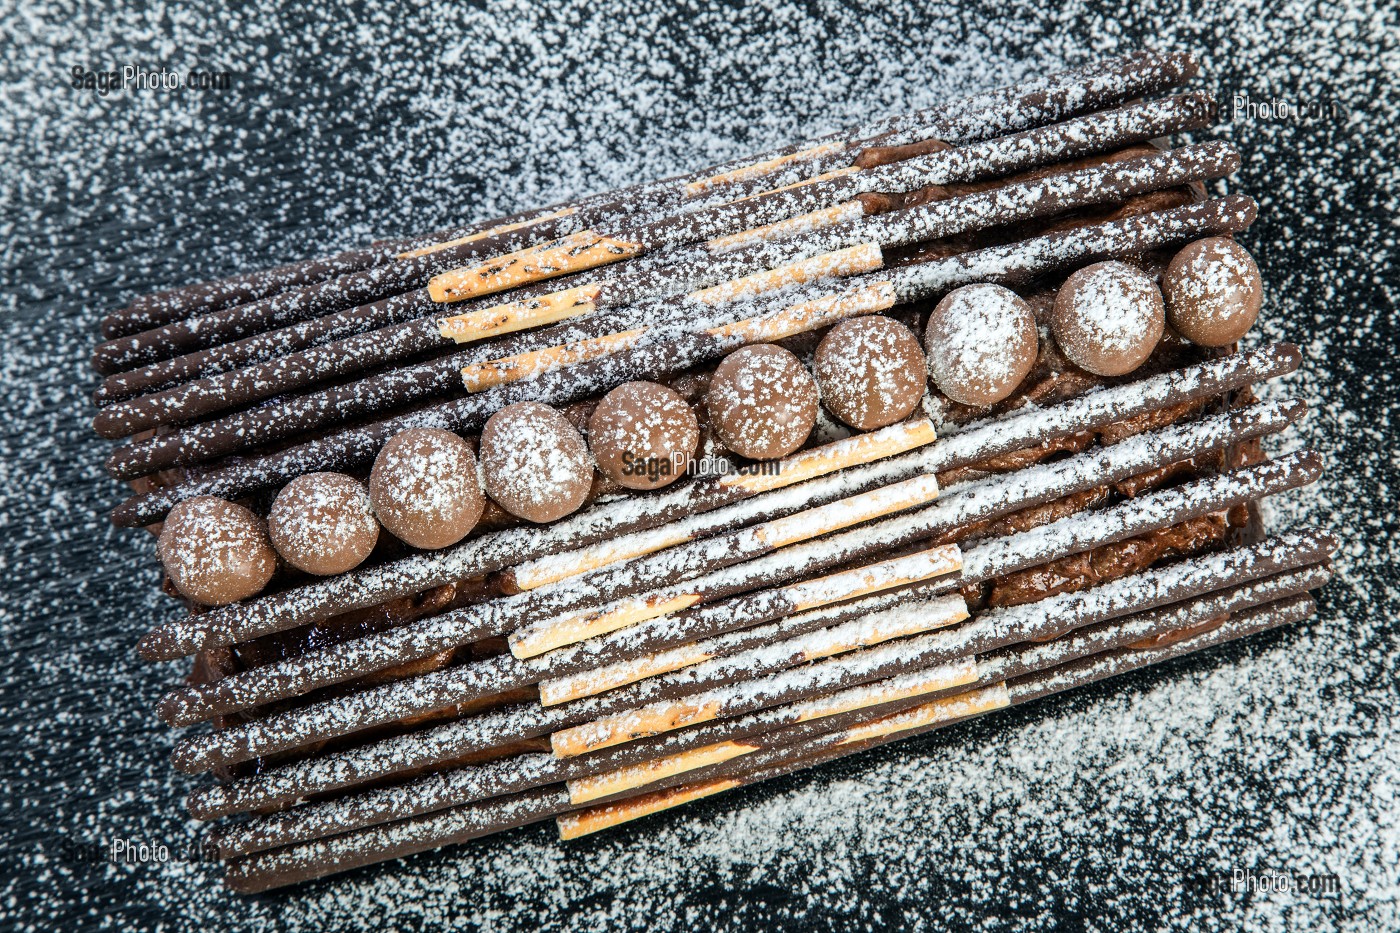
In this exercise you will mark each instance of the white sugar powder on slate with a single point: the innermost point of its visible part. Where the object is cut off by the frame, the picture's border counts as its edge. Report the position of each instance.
(1279, 753)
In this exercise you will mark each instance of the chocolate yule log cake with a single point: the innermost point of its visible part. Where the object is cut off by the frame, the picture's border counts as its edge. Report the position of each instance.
(587, 512)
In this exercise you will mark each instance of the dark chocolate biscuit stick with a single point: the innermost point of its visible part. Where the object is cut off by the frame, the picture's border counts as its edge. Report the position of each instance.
(164, 307)
(826, 201)
(1016, 263)
(941, 711)
(445, 688)
(398, 388)
(395, 701)
(632, 533)
(1236, 579)
(360, 847)
(1075, 534)
(410, 329)
(1116, 79)
(985, 633)
(999, 207)
(636, 528)
(641, 637)
(581, 249)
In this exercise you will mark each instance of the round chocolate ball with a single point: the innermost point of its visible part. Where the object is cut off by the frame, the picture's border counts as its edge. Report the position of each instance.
(643, 435)
(870, 371)
(1213, 292)
(323, 523)
(1108, 318)
(762, 402)
(534, 463)
(424, 488)
(215, 552)
(981, 343)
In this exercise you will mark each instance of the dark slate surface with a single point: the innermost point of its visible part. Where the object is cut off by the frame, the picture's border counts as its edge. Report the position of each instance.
(1100, 809)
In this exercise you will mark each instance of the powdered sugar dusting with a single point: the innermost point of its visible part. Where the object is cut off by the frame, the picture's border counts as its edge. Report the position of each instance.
(1277, 752)
(981, 343)
(763, 401)
(534, 463)
(1108, 317)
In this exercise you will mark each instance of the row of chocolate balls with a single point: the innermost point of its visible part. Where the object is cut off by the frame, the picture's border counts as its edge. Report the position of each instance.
(428, 488)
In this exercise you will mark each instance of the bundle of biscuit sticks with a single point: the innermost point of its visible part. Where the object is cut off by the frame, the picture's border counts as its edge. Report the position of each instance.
(588, 512)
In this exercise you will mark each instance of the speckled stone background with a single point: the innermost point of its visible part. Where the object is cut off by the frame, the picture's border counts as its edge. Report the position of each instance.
(1101, 809)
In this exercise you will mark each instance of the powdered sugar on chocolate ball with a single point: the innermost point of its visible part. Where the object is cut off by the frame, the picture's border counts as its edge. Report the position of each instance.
(323, 523)
(1213, 292)
(762, 402)
(1108, 318)
(643, 435)
(215, 552)
(534, 463)
(424, 488)
(981, 342)
(870, 371)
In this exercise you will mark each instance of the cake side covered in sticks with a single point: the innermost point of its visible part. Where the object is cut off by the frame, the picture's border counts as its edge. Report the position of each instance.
(597, 509)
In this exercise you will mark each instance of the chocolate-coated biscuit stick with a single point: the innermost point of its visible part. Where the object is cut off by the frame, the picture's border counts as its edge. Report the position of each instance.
(1273, 563)
(442, 789)
(621, 596)
(378, 651)
(189, 705)
(1110, 616)
(984, 561)
(1115, 82)
(843, 200)
(1000, 157)
(309, 301)
(636, 654)
(776, 537)
(834, 198)
(992, 631)
(407, 320)
(303, 862)
(974, 119)
(1143, 630)
(1011, 204)
(773, 674)
(153, 310)
(938, 712)
(235, 388)
(692, 510)
(409, 317)
(1128, 76)
(359, 589)
(726, 674)
(1170, 584)
(348, 449)
(590, 605)
(440, 690)
(702, 507)
(996, 208)
(592, 248)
